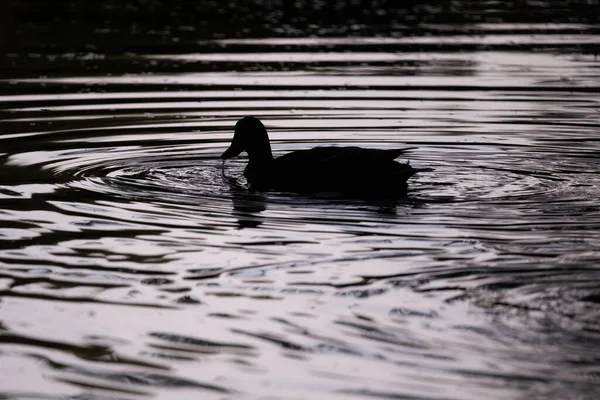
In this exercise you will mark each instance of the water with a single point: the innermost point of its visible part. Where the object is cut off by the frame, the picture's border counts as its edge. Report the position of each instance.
(134, 265)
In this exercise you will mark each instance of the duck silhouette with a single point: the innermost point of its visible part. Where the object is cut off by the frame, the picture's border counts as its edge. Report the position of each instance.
(347, 171)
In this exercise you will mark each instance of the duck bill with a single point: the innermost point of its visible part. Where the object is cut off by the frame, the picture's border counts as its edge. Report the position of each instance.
(233, 151)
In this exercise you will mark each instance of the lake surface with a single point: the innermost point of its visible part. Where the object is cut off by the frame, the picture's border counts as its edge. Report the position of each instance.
(134, 264)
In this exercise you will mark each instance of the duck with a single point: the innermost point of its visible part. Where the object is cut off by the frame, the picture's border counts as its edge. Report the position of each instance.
(349, 171)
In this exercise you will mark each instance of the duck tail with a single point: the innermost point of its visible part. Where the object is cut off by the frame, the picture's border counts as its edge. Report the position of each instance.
(395, 153)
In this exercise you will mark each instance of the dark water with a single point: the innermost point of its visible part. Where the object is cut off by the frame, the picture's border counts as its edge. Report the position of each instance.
(132, 267)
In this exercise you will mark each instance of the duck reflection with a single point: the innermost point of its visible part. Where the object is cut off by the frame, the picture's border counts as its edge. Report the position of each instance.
(247, 208)
(247, 205)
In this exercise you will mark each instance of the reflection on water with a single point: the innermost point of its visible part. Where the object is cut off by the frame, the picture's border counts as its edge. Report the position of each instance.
(133, 263)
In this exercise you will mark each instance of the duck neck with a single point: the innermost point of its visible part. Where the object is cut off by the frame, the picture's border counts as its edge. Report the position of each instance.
(261, 156)
(260, 152)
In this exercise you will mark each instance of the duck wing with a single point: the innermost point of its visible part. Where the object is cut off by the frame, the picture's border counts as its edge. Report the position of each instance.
(349, 170)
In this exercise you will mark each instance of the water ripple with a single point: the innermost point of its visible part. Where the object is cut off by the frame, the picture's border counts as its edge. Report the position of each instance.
(134, 262)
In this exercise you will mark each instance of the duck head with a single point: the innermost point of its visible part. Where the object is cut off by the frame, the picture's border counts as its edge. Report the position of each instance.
(250, 136)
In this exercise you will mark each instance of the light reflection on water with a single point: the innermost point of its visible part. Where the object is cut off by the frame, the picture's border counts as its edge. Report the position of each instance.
(133, 262)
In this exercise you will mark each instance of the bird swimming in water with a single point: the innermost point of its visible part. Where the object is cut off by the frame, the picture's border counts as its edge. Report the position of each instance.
(347, 171)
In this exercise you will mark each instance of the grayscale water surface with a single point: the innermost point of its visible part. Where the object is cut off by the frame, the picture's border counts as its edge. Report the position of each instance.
(134, 265)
